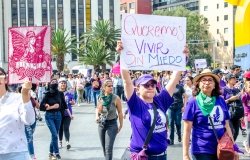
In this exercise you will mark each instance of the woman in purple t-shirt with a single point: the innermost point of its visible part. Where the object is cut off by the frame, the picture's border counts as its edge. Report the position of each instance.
(141, 114)
(246, 104)
(207, 102)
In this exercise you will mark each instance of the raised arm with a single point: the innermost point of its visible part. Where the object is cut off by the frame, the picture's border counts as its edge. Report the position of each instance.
(127, 81)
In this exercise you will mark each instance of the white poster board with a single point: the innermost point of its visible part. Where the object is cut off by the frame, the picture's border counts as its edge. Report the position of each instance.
(153, 42)
(200, 63)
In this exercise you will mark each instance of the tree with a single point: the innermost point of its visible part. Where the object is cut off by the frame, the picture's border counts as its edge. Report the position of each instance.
(104, 35)
(61, 44)
(96, 54)
(197, 27)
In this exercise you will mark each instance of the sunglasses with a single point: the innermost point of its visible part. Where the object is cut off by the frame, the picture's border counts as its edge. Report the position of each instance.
(147, 85)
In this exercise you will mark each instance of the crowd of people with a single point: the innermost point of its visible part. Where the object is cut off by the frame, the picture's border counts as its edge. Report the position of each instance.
(165, 98)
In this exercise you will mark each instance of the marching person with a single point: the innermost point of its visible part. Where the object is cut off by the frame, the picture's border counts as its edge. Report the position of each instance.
(16, 111)
(140, 108)
(54, 105)
(106, 115)
(207, 102)
(67, 115)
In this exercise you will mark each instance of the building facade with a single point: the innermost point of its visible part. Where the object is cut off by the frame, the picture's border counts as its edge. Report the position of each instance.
(136, 6)
(220, 19)
(192, 5)
(75, 16)
(220, 16)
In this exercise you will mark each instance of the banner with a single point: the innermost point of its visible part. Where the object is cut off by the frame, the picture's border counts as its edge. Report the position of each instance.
(29, 54)
(200, 63)
(153, 42)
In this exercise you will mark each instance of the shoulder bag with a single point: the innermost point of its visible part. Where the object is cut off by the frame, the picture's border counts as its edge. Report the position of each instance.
(127, 155)
(225, 147)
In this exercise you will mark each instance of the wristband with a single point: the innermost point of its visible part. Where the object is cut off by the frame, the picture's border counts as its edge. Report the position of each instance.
(237, 149)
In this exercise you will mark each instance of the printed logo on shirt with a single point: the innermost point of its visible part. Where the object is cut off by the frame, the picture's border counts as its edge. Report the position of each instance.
(217, 115)
(160, 124)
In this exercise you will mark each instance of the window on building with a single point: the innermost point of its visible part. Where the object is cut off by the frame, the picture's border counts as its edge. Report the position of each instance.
(100, 9)
(218, 6)
(218, 44)
(73, 24)
(225, 43)
(132, 5)
(52, 13)
(14, 13)
(44, 12)
(218, 31)
(22, 6)
(111, 12)
(225, 30)
(225, 17)
(31, 12)
(205, 8)
(80, 17)
(88, 13)
(60, 13)
(225, 4)
(218, 18)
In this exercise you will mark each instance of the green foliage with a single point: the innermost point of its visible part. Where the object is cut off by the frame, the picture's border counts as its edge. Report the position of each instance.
(98, 44)
(197, 27)
(61, 44)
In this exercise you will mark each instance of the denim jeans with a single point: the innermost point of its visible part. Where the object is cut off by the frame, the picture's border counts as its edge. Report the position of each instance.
(53, 121)
(15, 156)
(95, 96)
(204, 157)
(87, 91)
(174, 116)
(29, 131)
(107, 134)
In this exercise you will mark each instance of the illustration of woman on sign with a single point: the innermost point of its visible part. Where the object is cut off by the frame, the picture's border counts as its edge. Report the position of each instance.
(28, 58)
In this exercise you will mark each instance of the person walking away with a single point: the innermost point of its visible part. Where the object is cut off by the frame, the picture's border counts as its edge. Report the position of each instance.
(16, 111)
(106, 115)
(67, 114)
(232, 97)
(53, 104)
(96, 86)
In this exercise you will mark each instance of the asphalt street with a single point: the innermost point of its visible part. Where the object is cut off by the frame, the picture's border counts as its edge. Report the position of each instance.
(85, 140)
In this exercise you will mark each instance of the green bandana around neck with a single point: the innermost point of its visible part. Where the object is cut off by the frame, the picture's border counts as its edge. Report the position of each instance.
(106, 99)
(205, 103)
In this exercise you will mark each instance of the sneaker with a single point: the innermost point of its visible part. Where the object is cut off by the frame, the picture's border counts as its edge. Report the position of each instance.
(51, 156)
(58, 156)
(179, 138)
(244, 133)
(68, 145)
(171, 142)
(60, 144)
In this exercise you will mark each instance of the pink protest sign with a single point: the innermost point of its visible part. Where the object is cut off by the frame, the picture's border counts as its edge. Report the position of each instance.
(29, 54)
(116, 69)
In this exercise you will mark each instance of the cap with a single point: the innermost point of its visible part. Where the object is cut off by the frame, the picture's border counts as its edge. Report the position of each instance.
(247, 74)
(144, 79)
(206, 72)
(62, 80)
(229, 76)
(217, 71)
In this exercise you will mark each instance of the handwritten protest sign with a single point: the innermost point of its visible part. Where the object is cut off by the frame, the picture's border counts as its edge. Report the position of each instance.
(153, 42)
(200, 63)
(29, 54)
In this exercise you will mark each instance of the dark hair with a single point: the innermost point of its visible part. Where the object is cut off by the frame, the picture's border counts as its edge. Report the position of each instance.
(3, 71)
(216, 91)
(191, 78)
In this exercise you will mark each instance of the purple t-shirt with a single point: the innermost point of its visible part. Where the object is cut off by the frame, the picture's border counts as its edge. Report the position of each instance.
(203, 138)
(141, 118)
(68, 97)
(246, 103)
(222, 83)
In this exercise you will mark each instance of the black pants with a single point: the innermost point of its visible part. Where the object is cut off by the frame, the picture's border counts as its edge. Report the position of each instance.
(65, 128)
(235, 127)
(204, 156)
